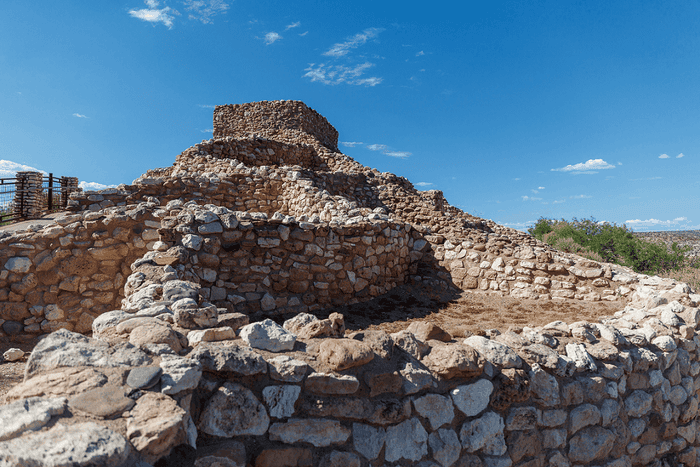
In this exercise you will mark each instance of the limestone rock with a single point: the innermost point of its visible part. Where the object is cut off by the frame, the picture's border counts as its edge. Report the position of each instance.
(178, 290)
(189, 315)
(451, 361)
(287, 369)
(341, 354)
(590, 444)
(179, 374)
(82, 444)
(407, 440)
(328, 383)
(234, 411)
(229, 359)
(210, 335)
(406, 341)
(484, 434)
(368, 440)
(155, 333)
(12, 355)
(319, 432)
(438, 409)
(379, 341)
(582, 359)
(28, 414)
(281, 399)
(64, 348)
(424, 331)
(544, 386)
(445, 446)
(156, 425)
(340, 459)
(415, 377)
(268, 335)
(375, 411)
(498, 354)
(294, 325)
(472, 399)
(63, 382)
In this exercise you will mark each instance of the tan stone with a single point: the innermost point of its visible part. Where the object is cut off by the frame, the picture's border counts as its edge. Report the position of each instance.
(341, 354)
(156, 425)
(64, 382)
(425, 331)
(155, 333)
(451, 361)
(287, 457)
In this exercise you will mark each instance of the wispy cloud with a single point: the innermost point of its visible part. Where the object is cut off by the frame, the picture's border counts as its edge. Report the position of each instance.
(79, 115)
(336, 74)
(204, 10)
(154, 15)
(530, 198)
(399, 154)
(204, 106)
(423, 184)
(580, 197)
(94, 186)
(304, 33)
(293, 25)
(419, 54)
(9, 169)
(644, 179)
(350, 144)
(664, 156)
(680, 155)
(591, 166)
(559, 201)
(208, 130)
(343, 48)
(655, 222)
(271, 38)
(377, 147)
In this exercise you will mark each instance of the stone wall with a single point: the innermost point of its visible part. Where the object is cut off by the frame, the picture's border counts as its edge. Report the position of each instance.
(622, 392)
(280, 120)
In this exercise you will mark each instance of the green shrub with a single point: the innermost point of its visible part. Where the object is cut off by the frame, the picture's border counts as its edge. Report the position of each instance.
(609, 243)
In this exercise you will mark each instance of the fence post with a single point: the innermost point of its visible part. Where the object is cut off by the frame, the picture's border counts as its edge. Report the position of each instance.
(49, 201)
(68, 186)
(28, 202)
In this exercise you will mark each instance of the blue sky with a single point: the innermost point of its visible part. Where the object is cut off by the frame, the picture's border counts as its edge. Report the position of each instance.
(515, 110)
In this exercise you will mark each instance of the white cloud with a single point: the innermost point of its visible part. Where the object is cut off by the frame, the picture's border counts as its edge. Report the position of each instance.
(336, 74)
(79, 115)
(588, 167)
(516, 179)
(420, 53)
(154, 15)
(655, 222)
(680, 155)
(664, 156)
(293, 25)
(580, 197)
(559, 201)
(204, 106)
(94, 186)
(540, 188)
(519, 225)
(343, 48)
(209, 130)
(399, 154)
(619, 163)
(203, 10)
(530, 198)
(271, 37)
(350, 144)
(304, 33)
(535, 191)
(377, 147)
(423, 184)
(647, 178)
(9, 169)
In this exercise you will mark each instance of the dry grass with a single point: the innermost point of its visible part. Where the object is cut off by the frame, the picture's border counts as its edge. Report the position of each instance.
(688, 274)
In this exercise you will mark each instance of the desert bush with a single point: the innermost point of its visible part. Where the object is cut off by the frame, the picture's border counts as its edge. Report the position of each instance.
(609, 243)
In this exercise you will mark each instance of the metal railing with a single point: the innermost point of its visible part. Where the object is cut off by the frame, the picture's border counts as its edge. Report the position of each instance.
(8, 189)
(31, 194)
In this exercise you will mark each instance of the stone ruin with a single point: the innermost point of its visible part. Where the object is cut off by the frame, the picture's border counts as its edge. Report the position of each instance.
(184, 277)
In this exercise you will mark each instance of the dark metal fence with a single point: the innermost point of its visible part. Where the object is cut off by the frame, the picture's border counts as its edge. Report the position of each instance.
(55, 193)
(8, 213)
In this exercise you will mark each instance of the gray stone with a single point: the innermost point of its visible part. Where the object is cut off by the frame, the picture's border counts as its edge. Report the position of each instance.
(319, 432)
(179, 374)
(281, 399)
(178, 290)
(445, 446)
(406, 341)
(665, 343)
(267, 303)
(64, 348)
(229, 359)
(407, 440)
(544, 386)
(590, 444)
(145, 297)
(553, 438)
(189, 315)
(234, 411)
(583, 415)
(287, 369)
(551, 418)
(609, 411)
(495, 352)
(211, 228)
(28, 414)
(268, 335)
(144, 377)
(497, 461)
(329, 383)
(18, 264)
(472, 399)
(416, 378)
(340, 459)
(436, 408)
(368, 440)
(638, 403)
(677, 396)
(582, 359)
(233, 320)
(375, 411)
(193, 242)
(521, 418)
(82, 444)
(109, 320)
(12, 328)
(294, 325)
(12, 355)
(484, 434)
(106, 402)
